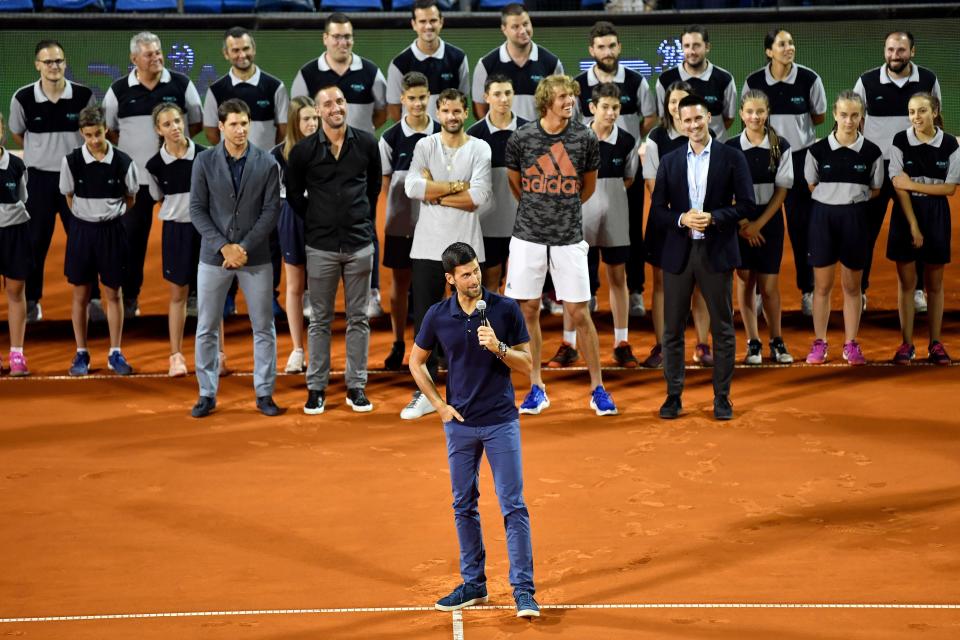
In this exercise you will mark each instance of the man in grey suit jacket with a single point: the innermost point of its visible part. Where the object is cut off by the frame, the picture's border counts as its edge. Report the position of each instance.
(235, 204)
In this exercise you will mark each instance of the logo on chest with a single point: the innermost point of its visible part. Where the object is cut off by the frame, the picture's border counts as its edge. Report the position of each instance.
(859, 167)
(446, 76)
(799, 101)
(358, 87)
(263, 104)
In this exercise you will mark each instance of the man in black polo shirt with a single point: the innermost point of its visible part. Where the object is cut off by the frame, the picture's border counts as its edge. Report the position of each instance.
(128, 105)
(444, 65)
(43, 121)
(479, 414)
(339, 169)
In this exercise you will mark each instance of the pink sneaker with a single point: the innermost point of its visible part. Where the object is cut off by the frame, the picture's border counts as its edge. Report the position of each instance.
(852, 353)
(938, 354)
(18, 365)
(905, 353)
(818, 352)
(702, 355)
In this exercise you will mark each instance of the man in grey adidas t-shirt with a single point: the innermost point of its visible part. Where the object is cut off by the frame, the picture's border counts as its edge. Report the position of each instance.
(552, 166)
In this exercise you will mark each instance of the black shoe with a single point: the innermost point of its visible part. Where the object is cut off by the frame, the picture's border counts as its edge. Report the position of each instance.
(267, 406)
(357, 399)
(722, 409)
(204, 407)
(671, 407)
(394, 361)
(314, 404)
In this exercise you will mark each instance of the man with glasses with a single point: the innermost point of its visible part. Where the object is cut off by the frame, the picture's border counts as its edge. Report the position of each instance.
(43, 121)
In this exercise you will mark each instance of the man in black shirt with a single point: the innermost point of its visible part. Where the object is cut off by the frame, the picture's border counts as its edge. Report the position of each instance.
(339, 169)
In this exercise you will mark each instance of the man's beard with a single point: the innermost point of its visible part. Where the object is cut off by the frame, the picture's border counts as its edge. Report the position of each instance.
(607, 67)
(455, 127)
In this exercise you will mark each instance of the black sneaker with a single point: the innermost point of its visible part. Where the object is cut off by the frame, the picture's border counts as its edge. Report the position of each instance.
(357, 399)
(754, 352)
(204, 407)
(778, 351)
(623, 356)
(268, 407)
(314, 404)
(565, 357)
(394, 361)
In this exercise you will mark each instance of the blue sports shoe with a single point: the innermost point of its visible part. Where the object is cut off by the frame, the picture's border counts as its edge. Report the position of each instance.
(527, 607)
(535, 401)
(463, 596)
(602, 403)
(118, 364)
(81, 364)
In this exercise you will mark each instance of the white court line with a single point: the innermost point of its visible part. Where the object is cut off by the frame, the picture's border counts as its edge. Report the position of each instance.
(457, 625)
(379, 372)
(644, 605)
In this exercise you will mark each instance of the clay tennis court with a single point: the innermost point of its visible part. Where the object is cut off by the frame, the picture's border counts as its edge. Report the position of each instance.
(828, 508)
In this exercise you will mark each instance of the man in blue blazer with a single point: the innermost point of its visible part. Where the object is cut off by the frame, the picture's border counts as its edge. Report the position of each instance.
(235, 204)
(702, 191)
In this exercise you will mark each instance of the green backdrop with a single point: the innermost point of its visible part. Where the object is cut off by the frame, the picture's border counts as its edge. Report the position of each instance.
(838, 50)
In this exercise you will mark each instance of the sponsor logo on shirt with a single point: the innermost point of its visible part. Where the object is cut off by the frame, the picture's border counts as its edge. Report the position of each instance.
(446, 76)
(798, 100)
(358, 87)
(263, 103)
(859, 167)
(941, 164)
(552, 173)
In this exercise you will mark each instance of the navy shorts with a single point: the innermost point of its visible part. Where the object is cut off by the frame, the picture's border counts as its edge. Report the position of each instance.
(933, 218)
(496, 250)
(767, 257)
(16, 251)
(396, 252)
(654, 236)
(96, 249)
(181, 252)
(838, 233)
(290, 229)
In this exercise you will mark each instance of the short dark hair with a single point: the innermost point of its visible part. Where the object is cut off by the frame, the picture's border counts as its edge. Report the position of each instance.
(696, 28)
(457, 255)
(92, 116)
(692, 100)
(496, 77)
(237, 32)
(424, 4)
(771, 37)
(666, 120)
(335, 18)
(605, 90)
(46, 44)
(452, 94)
(512, 9)
(233, 105)
(901, 32)
(413, 79)
(601, 29)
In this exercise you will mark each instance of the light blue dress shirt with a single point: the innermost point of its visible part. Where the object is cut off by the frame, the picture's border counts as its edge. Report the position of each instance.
(698, 165)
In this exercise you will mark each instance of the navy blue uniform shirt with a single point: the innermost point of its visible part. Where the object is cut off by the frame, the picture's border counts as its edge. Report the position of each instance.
(478, 383)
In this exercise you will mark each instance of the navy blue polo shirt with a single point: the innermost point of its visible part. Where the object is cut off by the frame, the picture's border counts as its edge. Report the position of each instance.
(478, 383)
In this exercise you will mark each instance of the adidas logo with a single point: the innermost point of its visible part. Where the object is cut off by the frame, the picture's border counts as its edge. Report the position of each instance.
(553, 173)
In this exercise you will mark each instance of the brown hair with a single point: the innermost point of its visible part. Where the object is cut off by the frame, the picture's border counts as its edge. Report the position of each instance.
(293, 135)
(548, 86)
(772, 135)
(934, 103)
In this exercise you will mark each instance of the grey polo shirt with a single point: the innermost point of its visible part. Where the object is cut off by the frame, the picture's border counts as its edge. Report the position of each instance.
(395, 75)
(360, 80)
(646, 105)
(16, 212)
(98, 209)
(44, 150)
(838, 193)
(263, 131)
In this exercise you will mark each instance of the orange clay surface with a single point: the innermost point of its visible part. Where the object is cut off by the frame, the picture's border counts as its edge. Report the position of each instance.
(832, 485)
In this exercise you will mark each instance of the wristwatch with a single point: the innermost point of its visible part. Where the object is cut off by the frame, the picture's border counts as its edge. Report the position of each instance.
(502, 350)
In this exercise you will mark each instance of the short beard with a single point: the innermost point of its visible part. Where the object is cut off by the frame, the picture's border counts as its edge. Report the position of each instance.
(459, 127)
(607, 68)
(699, 65)
(903, 65)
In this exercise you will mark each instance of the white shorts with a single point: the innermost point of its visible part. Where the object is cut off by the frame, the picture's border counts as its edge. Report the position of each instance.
(529, 264)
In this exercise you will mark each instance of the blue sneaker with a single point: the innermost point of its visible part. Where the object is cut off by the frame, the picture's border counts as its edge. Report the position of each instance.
(535, 401)
(229, 307)
(527, 607)
(602, 403)
(118, 364)
(463, 596)
(81, 364)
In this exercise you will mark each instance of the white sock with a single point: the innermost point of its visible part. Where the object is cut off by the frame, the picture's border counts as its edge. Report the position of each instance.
(619, 335)
(16, 349)
(114, 350)
(570, 337)
(81, 350)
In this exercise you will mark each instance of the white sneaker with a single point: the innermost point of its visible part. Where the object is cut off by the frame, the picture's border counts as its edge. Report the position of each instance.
(637, 310)
(919, 301)
(294, 362)
(418, 407)
(863, 302)
(307, 307)
(552, 306)
(806, 304)
(374, 310)
(35, 312)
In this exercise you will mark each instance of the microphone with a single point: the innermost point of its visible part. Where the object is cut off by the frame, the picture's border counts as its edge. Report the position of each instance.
(482, 310)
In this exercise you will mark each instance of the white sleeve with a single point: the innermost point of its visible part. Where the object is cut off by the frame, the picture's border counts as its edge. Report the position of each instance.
(132, 180)
(818, 97)
(464, 72)
(860, 90)
(730, 100)
(17, 122)
(394, 84)
(66, 178)
(22, 188)
(558, 70)
(479, 79)
(876, 180)
(953, 168)
(480, 184)
(386, 157)
(155, 192)
(784, 177)
(210, 106)
(110, 107)
(281, 103)
(194, 107)
(745, 87)
(935, 90)
(811, 171)
(651, 160)
(661, 96)
(379, 92)
(415, 185)
(896, 161)
(633, 161)
(647, 103)
(299, 86)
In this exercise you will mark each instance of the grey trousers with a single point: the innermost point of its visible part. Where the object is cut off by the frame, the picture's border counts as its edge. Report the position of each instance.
(256, 282)
(324, 272)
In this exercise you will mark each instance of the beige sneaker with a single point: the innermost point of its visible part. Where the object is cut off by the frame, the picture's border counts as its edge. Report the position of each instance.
(295, 362)
(178, 366)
